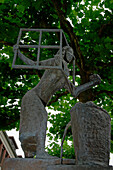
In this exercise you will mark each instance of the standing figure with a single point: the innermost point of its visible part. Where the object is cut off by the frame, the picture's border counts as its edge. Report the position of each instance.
(33, 117)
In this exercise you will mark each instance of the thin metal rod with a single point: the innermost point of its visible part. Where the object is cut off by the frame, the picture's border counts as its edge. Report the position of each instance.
(38, 30)
(65, 39)
(61, 49)
(20, 33)
(40, 46)
(49, 67)
(38, 55)
(74, 71)
(64, 135)
(15, 55)
(35, 67)
(15, 51)
(67, 81)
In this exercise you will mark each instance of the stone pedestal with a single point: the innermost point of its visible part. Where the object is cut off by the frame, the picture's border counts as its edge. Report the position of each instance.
(91, 134)
(46, 164)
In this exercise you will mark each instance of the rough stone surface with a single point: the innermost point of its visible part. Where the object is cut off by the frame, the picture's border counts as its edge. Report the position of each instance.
(77, 167)
(44, 164)
(91, 134)
(33, 117)
(32, 164)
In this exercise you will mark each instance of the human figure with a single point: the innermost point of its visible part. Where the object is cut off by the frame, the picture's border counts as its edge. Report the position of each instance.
(33, 117)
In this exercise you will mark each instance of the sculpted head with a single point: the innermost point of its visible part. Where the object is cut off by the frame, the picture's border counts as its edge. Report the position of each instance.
(67, 54)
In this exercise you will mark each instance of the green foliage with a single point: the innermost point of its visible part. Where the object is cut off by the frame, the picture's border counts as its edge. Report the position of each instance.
(55, 150)
(14, 84)
(60, 120)
(92, 23)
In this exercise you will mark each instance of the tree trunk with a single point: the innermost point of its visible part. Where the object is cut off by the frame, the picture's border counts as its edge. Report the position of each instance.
(88, 94)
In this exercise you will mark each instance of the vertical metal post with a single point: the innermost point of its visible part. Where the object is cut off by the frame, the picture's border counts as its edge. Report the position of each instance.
(14, 59)
(20, 33)
(15, 51)
(61, 49)
(74, 71)
(38, 55)
(65, 39)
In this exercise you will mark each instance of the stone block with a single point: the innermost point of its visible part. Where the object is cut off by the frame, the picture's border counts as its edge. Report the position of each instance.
(91, 134)
(77, 167)
(32, 164)
(46, 164)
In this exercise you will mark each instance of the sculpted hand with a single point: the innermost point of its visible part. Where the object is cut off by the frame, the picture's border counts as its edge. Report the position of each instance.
(95, 78)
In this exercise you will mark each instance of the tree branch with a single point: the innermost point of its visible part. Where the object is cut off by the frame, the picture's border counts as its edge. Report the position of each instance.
(99, 63)
(109, 93)
(66, 26)
(103, 28)
(9, 22)
(6, 43)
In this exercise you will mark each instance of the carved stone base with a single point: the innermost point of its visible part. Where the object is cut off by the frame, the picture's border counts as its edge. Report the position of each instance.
(91, 134)
(46, 164)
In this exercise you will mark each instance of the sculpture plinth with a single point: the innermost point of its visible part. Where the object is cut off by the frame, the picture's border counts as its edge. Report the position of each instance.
(91, 134)
(46, 164)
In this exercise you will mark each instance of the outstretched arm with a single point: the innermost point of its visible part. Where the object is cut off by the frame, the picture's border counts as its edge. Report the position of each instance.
(94, 80)
(48, 62)
(28, 61)
(75, 91)
(25, 59)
